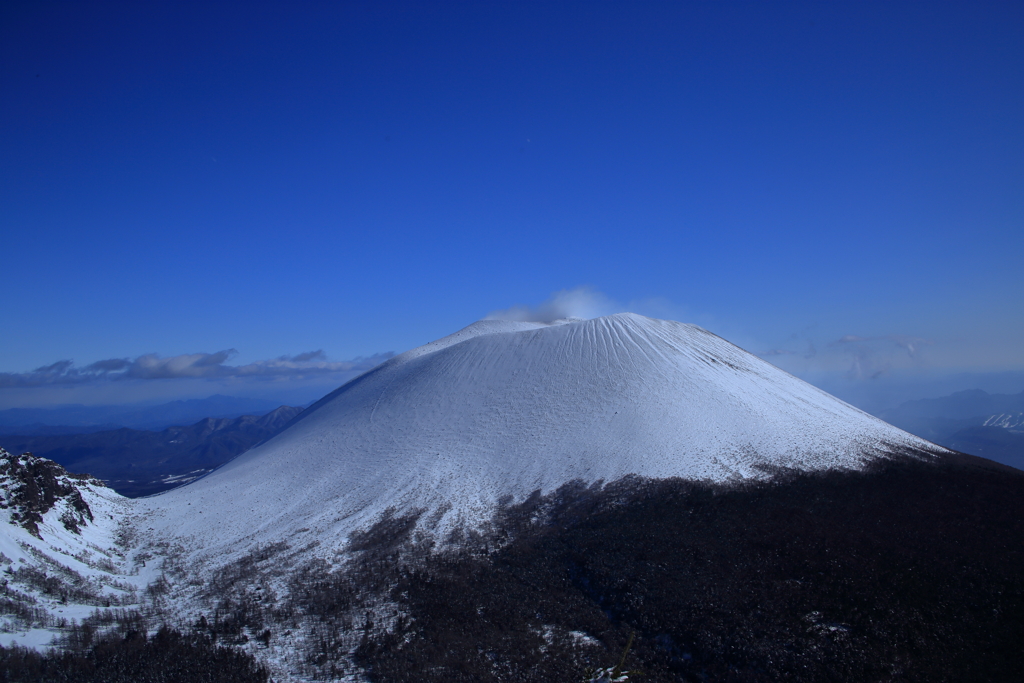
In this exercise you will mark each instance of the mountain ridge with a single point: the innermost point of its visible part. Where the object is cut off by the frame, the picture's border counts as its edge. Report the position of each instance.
(145, 417)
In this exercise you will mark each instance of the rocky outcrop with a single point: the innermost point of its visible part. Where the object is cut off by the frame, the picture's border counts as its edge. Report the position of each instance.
(31, 486)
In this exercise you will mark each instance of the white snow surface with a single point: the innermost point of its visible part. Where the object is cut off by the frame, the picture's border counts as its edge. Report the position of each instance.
(88, 562)
(505, 408)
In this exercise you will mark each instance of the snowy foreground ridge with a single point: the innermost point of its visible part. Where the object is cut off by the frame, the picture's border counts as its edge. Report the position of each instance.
(502, 409)
(60, 551)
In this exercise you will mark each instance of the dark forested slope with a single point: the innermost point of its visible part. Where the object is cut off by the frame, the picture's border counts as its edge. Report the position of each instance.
(909, 572)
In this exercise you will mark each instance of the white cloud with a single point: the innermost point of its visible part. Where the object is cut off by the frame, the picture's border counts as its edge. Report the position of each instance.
(581, 302)
(186, 366)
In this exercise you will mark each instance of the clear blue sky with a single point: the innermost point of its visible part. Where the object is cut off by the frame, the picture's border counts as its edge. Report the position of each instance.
(278, 178)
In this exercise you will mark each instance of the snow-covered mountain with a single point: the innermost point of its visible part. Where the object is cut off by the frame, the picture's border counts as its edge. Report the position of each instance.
(501, 409)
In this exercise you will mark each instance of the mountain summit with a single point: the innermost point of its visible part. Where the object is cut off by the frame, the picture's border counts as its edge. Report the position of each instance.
(501, 409)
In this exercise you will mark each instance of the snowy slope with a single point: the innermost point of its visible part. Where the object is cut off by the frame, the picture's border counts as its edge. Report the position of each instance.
(505, 408)
(61, 553)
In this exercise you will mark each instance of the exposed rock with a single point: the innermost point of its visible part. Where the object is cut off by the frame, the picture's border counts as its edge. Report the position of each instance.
(31, 486)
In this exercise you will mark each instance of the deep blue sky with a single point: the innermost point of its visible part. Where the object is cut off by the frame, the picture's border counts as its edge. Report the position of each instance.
(365, 177)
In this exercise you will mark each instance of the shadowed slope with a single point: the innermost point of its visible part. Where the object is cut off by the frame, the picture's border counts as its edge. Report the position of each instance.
(909, 571)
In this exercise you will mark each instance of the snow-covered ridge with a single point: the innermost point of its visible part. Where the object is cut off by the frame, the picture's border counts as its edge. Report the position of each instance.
(504, 408)
(60, 553)
(30, 487)
(1011, 421)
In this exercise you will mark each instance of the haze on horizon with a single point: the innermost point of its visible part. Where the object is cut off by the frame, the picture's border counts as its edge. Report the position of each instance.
(267, 201)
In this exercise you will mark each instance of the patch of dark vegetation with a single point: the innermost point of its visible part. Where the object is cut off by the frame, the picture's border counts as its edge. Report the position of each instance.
(348, 604)
(333, 605)
(61, 586)
(389, 533)
(912, 571)
(34, 485)
(244, 570)
(20, 607)
(243, 596)
(166, 657)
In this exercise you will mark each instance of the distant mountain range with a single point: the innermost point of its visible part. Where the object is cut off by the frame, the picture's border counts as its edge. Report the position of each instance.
(975, 422)
(137, 462)
(77, 419)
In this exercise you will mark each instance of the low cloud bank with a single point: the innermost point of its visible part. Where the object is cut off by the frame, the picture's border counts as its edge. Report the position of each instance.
(187, 366)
